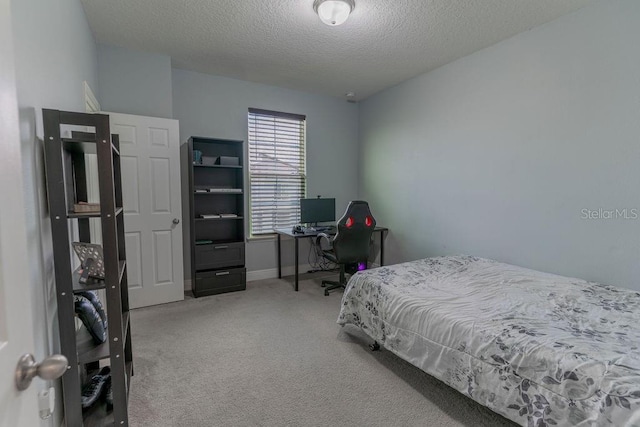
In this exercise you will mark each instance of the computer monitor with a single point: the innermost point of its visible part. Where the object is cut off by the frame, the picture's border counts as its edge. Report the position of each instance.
(317, 210)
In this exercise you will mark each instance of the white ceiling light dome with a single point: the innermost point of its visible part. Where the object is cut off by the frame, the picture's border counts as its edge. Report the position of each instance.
(333, 12)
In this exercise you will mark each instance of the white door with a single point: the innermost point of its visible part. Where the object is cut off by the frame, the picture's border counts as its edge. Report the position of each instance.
(17, 409)
(150, 162)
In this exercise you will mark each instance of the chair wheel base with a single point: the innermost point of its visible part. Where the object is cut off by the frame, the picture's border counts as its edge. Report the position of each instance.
(334, 285)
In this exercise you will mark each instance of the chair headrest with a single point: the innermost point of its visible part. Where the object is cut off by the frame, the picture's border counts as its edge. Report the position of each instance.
(357, 215)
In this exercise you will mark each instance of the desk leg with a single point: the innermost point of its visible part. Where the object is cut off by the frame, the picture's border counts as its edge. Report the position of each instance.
(381, 248)
(279, 259)
(296, 262)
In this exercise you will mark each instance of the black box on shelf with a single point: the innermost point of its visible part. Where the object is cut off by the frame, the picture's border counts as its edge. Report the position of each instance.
(228, 161)
(209, 160)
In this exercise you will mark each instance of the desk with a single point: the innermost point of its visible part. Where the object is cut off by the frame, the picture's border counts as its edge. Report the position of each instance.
(309, 235)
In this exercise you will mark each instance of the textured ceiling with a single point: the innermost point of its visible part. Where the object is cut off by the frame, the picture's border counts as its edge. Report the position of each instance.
(284, 43)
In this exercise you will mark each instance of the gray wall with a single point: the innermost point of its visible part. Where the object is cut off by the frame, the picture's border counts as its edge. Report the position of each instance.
(54, 53)
(217, 107)
(134, 82)
(498, 153)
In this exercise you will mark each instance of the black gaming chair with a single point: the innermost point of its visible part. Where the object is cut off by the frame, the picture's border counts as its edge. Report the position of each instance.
(350, 246)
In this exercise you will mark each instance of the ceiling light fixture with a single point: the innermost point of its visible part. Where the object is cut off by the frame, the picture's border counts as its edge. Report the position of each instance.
(333, 12)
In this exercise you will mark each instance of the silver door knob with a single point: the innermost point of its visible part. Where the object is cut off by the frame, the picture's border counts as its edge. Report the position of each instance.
(50, 368)
(176, 221)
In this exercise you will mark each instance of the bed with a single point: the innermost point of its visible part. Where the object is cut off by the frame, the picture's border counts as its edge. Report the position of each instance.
(538, 348)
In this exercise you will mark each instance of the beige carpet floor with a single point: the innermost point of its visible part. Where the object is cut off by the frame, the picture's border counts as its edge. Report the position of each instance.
(269, 356)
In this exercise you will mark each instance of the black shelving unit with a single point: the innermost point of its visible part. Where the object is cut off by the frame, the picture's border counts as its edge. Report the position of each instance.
(217, 242)
(66, 185)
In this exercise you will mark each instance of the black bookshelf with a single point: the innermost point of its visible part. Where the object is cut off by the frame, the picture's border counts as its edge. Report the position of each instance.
(215, 192)
(67, 184)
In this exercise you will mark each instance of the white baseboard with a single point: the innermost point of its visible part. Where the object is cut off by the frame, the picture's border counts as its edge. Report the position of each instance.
(272, 273)
(269, 273)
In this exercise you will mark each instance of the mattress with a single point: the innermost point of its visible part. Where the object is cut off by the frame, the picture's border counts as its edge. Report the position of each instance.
(538, 348)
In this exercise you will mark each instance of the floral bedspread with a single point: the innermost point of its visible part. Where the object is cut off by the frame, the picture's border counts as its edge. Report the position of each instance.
(540, 349)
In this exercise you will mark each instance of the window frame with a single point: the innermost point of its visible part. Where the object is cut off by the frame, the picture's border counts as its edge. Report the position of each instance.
(252, 112)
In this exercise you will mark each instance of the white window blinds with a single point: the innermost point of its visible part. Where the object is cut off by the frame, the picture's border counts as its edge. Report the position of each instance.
(277, 169)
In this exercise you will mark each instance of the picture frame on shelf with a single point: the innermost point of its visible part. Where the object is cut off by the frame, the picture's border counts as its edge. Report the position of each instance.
(91, 258)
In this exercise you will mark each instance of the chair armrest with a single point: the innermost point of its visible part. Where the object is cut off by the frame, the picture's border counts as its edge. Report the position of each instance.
(325, 236)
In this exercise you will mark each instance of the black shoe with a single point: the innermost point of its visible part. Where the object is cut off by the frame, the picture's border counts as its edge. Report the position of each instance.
(92, 391)
(92, 296)
(90, 319)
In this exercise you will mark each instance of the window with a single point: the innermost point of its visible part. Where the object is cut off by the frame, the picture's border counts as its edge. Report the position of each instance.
(277, 169)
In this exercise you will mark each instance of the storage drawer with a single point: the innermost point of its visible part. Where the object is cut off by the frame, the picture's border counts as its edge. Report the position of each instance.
(219, 256)
(219, 281)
